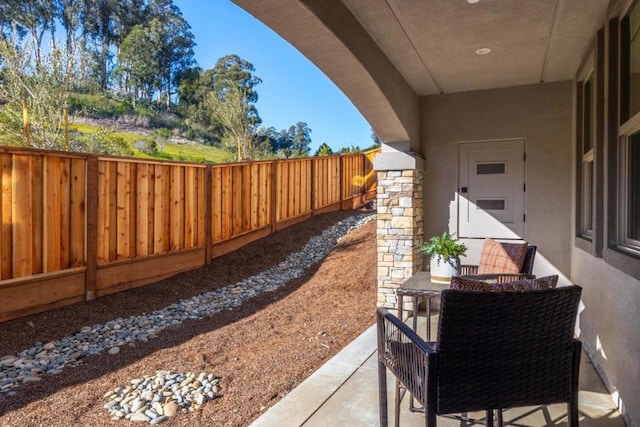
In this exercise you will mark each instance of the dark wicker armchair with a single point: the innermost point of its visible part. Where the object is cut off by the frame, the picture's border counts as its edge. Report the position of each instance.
(494, 350)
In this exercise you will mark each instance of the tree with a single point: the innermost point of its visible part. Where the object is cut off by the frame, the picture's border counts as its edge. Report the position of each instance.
(197, 86)
(44, 87)
(324, 150)
(295, 141)
(100, 23)
(34, 17)
(175, 41)
(138, 61)
(231, 108)
(353, 149)
(374, 137)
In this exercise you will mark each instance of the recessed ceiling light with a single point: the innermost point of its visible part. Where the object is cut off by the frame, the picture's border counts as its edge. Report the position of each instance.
(483, 51)
(472, 1)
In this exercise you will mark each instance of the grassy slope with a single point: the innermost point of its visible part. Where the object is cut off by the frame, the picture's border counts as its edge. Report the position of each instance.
(184, 152)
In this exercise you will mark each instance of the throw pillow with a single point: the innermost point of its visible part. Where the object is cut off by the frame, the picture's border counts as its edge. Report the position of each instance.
(498, 257)
(464, 284)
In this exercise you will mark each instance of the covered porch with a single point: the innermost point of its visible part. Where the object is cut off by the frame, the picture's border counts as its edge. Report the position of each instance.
(542, 93)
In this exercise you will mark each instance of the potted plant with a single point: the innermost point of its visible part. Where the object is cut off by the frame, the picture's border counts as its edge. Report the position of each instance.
(445, 252)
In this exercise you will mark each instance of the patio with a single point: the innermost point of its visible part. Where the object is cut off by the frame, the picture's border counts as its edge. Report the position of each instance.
(344, 392)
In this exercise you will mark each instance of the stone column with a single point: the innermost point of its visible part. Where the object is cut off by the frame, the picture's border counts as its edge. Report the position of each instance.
(400, 229)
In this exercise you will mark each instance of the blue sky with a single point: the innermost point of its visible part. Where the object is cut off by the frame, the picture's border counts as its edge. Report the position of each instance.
(292, 89)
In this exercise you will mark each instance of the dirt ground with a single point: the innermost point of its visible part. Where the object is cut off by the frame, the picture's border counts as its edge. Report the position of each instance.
(261, 350)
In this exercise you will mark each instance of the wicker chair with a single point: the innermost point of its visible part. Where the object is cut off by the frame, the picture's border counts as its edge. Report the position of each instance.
(494, 350)
(527, 266)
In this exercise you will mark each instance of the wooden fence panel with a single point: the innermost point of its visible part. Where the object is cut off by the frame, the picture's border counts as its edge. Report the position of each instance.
(326, 189)
(293, 181)
(147, 209)
(240, 199)
(352, 176)
(42, 197)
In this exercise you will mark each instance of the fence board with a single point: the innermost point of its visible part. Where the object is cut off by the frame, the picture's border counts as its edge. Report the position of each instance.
(176, 212)
(246, 198)
(216, 204)
(227, 203)
(22, 228)
(236, 200)
(112, 230)
(201, 207)
(77, 213)
(124, 223)
(265, 196)
(161, 220)
(142, 209)
(65, 212)
(37, 213)
(255, 195)
(6, 232)
(52, 205)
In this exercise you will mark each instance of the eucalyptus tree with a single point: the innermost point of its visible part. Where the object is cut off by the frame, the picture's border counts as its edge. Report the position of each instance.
(294, 142)
(33, 17)
(138, 65)
(230, 71)
(175, 41)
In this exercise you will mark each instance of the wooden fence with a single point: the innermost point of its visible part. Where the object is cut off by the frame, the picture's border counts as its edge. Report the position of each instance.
(75, 227)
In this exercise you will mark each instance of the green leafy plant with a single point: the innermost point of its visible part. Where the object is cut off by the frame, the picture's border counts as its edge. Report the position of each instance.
(446, 246)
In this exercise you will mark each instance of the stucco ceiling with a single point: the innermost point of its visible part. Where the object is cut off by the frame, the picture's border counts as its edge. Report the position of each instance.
(386, 54)
(433, 43)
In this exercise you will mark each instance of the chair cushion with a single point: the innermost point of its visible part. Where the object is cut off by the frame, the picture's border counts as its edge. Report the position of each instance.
(464, 284)
(498, 257)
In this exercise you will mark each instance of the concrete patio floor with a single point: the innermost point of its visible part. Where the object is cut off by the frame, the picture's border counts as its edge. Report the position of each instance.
(344, 392)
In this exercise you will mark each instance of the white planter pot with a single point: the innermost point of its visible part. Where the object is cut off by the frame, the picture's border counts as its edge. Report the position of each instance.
(441, 271)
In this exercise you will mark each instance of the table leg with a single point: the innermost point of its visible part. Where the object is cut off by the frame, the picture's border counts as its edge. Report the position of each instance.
(428, 335)
(414, 300)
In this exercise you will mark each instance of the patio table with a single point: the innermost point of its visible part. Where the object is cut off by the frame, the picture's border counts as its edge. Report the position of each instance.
(420, 286)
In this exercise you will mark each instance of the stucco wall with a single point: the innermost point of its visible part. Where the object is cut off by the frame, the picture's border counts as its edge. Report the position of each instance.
(610, 327)
(542, 115)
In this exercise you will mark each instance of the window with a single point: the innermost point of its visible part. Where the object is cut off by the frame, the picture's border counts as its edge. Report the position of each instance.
(628, 205)
(630, 191)
(586, 153)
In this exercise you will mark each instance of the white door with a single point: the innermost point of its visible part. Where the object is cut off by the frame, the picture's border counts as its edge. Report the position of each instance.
(491, 190)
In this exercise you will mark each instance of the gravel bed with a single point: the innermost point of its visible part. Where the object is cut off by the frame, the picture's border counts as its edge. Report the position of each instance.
(30, 365)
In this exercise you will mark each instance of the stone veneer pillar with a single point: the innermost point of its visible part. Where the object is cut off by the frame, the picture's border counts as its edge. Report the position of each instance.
(400, 229)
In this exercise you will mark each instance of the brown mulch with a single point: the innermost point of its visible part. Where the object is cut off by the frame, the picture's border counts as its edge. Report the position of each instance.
(261, 350)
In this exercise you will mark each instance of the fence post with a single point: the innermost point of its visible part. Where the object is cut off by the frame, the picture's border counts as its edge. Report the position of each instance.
(208, 214)
(92, 228)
